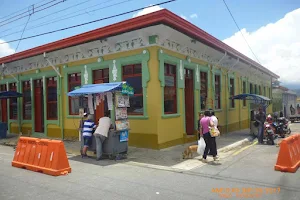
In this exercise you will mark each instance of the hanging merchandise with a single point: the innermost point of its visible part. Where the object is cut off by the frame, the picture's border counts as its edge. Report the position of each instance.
(90, 104)
(121, 113)
(109, 100)
(126, 101)
(120, 103)
(97, 100)
(127, 90)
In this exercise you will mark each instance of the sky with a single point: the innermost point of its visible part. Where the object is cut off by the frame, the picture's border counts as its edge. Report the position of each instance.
(271, 27)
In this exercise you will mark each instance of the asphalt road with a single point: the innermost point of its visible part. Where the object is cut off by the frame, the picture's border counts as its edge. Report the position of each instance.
(247, 174)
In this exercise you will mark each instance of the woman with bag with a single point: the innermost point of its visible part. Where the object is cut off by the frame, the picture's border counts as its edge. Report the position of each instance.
(206, 123)
(214, 132)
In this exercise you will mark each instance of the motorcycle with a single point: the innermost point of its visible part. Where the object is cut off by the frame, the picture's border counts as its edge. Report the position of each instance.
(286, 126)
(269, 134)
(278, 128)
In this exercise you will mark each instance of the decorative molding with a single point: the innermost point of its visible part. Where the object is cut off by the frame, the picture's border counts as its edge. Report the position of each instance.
(114, 71)
(89, 50)
(86, 75)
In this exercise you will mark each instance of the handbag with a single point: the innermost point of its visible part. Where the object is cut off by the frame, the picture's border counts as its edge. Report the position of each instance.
(214, 132)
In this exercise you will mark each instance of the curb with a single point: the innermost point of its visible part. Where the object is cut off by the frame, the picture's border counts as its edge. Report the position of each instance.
(236, 144)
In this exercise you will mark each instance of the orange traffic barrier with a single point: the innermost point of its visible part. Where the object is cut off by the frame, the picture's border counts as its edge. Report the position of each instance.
(289, 154)
(41, 155)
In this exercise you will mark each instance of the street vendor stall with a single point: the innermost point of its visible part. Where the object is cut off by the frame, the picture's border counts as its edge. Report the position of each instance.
(4, 95)
(256, 101)
(117, 98)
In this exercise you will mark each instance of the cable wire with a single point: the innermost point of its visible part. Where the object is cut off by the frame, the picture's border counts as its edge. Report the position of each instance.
(20, 10)
(61, 19)
(240, 30)
(57, 18)
(90, 22)
(32, 13)
(22, 34)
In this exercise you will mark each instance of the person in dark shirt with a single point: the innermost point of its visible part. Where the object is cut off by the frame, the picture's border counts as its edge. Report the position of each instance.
(260, 118)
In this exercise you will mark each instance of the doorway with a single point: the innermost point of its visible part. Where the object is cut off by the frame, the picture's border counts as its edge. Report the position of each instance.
(100, 76)
(38, 106)
(3, 106)
(189, 101)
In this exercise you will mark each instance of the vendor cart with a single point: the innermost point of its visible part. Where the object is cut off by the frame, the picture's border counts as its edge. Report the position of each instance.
(117, 98)
(255, 101)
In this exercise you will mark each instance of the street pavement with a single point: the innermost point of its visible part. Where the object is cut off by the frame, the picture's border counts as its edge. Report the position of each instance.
(250, 167)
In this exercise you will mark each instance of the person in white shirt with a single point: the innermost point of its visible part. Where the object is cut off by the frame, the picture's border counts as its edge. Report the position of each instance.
(213, 149)
(101, 132)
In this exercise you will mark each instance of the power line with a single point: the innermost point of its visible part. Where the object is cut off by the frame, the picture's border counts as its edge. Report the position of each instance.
(20, 10)
(61, 19)
(54, 18)
(240, 31)
(22, 34)
(32, 13)
(28, 11)
(90, 22)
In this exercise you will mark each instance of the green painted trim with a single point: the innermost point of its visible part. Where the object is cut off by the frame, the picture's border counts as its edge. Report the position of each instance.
(207, 70)
(142, 58)
(66, 71)
(196, 83)
(153, 39)
(165, 58)
(216, 71)
(232, 76)
(170, 116)
(43, 76)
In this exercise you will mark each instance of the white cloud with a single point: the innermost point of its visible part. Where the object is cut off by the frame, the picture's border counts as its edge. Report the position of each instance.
(183, 17)
(148, 10)
(5, 49)
(277, 46)
(194, 16)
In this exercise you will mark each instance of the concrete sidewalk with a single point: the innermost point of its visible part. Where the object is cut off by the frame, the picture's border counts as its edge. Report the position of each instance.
(166, 157)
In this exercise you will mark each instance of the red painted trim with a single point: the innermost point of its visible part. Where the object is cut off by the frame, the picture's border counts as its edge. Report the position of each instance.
(159, 17)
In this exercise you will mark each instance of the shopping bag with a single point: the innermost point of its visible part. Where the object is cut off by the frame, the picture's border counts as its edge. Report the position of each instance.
(214, 132)
(201, 146)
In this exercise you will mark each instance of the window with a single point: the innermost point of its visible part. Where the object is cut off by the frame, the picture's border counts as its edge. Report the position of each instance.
(259, 90)
(51, 84)
(74, 81)
(170, 90)
(203, 90)
(101, 75)
(270, 96)
(132, 74)
(3, 105)
(255, 89)
(232, 92)
(217, 92)
(26, 100)
(251, 88)
(13, 103)
(244, 91)
(265, 91)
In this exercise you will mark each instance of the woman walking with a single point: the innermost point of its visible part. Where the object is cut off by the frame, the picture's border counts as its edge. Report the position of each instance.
(213, 148)
(206, 123)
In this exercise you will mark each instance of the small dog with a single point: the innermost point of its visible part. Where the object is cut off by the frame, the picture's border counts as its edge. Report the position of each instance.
(189, 151)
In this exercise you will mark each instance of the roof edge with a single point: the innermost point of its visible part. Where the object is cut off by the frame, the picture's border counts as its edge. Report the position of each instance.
(163, 16)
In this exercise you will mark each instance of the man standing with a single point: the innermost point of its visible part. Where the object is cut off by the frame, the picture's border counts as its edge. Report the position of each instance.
(101, 132)
(260, 118)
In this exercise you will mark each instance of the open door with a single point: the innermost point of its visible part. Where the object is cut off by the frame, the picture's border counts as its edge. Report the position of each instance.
(100, 76)
(38, 106)
(189, 102)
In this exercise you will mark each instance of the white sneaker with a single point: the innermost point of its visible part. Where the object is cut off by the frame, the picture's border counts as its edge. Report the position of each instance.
(204, 160)
(216, 158)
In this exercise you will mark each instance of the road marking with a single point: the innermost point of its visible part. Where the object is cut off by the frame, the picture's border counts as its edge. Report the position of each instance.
(243, 149)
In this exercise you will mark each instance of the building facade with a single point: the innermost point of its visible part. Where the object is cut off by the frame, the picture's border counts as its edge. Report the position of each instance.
(175, 68)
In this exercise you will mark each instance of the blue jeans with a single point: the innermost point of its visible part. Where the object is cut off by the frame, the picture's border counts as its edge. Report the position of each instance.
(99, 145)
(260, 135)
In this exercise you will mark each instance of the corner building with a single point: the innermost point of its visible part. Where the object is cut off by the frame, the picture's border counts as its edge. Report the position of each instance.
(176, 69)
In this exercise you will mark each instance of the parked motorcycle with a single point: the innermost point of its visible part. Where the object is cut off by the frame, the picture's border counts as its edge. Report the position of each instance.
(286, 126)
(278, 128)
(269, 134)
